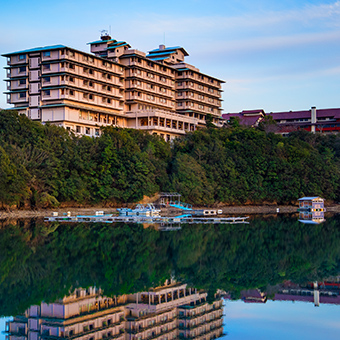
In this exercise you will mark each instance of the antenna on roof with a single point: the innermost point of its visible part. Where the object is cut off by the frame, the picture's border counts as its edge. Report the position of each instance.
(104, 35)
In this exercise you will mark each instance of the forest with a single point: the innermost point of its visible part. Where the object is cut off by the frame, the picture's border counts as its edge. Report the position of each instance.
(43, 262)
(45, 166)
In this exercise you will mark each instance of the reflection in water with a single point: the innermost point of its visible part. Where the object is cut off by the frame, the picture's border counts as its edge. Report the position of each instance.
(171, 311)
(325, 292)
(312, 217)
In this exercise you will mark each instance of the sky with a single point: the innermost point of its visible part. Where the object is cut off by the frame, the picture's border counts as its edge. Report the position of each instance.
(273, 55)
(281, 320)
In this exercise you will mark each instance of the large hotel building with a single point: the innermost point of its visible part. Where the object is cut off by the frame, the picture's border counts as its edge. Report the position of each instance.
(114, 85)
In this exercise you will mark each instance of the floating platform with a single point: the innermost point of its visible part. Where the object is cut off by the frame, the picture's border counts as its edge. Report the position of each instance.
(110, 218)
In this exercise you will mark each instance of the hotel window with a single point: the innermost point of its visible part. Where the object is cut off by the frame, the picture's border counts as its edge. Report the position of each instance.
(71, 93)
(108, 100)
(91, 83)
(180, 104)
(22, 82)
(22, 57)
(62, 91)
(87, 130)
(71, 66)
(85, 95)
(22, 95)
(47, 93)
(162, 79)
(103, 99)
(62, 65)
(71, 54)
(91, 60)
(108, 76)
(91, 97)
(85, 82)
(109, 88)
(104, 63)
(71, 79)
(47, 79)
(47, 54)
(85, 57)
(91, 71)
(78, 129)
(62, 78)
(47, 67)
(22, 69)
(97, 134)
(180, 84)
(85, 70)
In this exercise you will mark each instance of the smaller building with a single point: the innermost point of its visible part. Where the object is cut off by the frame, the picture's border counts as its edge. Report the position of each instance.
(312, 204)
(250, 118)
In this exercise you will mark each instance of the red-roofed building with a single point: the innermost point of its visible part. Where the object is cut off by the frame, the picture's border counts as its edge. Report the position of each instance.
(313, 120)
(247, 117)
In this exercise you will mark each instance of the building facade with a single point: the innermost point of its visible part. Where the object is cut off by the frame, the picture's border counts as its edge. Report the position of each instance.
(113, 85)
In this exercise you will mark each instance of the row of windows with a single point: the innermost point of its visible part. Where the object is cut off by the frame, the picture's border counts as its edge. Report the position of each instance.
(201, 107)
(151, 76)
(151, 64)
(200, 87)
(199, 76)
(88, 96)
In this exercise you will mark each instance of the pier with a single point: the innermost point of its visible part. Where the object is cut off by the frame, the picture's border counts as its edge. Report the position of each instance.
(182, 219)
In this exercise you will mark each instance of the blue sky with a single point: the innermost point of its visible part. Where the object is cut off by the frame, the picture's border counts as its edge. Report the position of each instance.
(281, 320)
(275, 55)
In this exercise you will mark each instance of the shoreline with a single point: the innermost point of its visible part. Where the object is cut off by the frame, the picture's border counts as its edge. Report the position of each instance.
(246, 209)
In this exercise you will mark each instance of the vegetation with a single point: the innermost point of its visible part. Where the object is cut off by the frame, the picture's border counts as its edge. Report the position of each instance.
(45, 165)
(44, 261)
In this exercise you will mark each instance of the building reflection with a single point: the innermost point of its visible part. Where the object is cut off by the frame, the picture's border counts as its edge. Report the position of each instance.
(312, 217)
(171, 311)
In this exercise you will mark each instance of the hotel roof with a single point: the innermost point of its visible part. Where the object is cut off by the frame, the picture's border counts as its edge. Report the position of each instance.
(335, 113)
(36, 49)
(170, 50)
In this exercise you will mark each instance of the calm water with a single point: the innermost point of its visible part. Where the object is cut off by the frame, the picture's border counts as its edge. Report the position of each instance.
(276, 278)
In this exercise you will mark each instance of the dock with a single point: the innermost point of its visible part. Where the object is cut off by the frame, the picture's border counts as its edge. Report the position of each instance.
(110, 218)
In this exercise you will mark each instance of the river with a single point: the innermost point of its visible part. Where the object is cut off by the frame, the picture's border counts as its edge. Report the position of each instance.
(274, 278)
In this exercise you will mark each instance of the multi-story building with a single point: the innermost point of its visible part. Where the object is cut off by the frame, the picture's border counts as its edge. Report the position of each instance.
(168, 312)
(114, 85)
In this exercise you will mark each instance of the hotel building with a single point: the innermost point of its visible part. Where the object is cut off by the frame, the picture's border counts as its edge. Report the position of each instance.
(169, 312)
(113, 85)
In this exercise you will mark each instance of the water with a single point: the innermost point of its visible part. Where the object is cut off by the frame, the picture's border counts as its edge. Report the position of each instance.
(258, 270)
